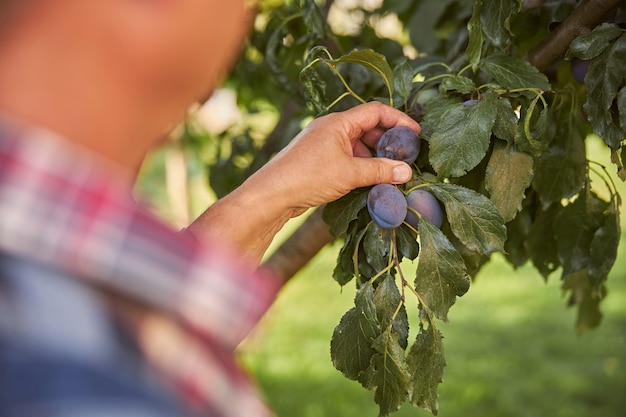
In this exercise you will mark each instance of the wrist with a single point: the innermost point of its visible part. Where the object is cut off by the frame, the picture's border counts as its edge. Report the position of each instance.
(247, 219)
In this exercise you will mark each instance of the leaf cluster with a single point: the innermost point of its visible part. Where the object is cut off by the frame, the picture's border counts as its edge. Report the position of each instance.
(503, 150)
(506, 157)
(369, 344)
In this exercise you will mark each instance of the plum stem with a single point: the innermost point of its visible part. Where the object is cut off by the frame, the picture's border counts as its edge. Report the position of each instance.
(462, 70)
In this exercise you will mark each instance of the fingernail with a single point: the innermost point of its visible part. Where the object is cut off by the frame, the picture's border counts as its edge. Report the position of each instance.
(401, 173)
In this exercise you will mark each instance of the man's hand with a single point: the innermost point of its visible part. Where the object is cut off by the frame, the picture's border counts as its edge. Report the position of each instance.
(328, 159)
(332, 156)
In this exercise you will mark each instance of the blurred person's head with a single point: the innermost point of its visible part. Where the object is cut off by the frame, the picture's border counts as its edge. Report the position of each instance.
(138, 63)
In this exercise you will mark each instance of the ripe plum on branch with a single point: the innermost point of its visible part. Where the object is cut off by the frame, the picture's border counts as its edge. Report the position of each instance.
(387, 205)
(399, 143)
(426, 205)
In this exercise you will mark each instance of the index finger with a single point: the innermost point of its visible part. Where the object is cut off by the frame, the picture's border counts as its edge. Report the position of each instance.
(365, 118)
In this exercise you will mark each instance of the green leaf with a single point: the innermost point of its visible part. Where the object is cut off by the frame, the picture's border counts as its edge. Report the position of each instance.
(390, 309)
(386, 374)
(506, 120)
(403, 78)
(536, 130)
(574, 229)
(621, 106)
(586, 297)
(617, 158)
(515, 73)
(338, 214)
(517, 230)
(425, 362)
(603, 250)
(435, 109)
(365, 270)
(476, 36)
(314, 84)
(561, 171)
(272, 55)
(540, 243)
(462, 138)
(509, 173)
(458, 83)
(473, 218)
(373, 61)
(621, 173)
(441, 275)
(359, 78)
(407, 242)
(604, 77)
(592, 44)
(376, 246)
(345, 269)
(343, 272)
(536, 133)
(495, 15)
(313, 18)
(351, 345)
(474, 260)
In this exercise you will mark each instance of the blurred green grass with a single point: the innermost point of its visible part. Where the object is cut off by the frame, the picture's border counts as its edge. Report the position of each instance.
(511, 349)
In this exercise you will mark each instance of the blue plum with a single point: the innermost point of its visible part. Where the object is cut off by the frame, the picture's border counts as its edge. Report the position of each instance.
(470, 103)
(399, 143)
(579, 69)
(387, 205)
(421, 98)
(425, 204)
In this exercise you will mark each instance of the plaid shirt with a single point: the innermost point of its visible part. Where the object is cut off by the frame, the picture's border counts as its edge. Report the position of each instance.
(62, 207)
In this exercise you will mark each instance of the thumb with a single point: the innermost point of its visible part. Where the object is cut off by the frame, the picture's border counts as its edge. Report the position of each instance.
(372, 171)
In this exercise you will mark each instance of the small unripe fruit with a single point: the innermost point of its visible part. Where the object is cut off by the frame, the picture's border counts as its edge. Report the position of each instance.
(579, 69)
(425, 204)
(399, 143)
(387, 205)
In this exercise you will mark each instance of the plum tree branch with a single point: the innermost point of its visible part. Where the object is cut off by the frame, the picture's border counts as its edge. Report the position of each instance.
(584, 18)
(299, 248)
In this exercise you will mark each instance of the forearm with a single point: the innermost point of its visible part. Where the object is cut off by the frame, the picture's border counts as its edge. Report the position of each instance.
(246, 220)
